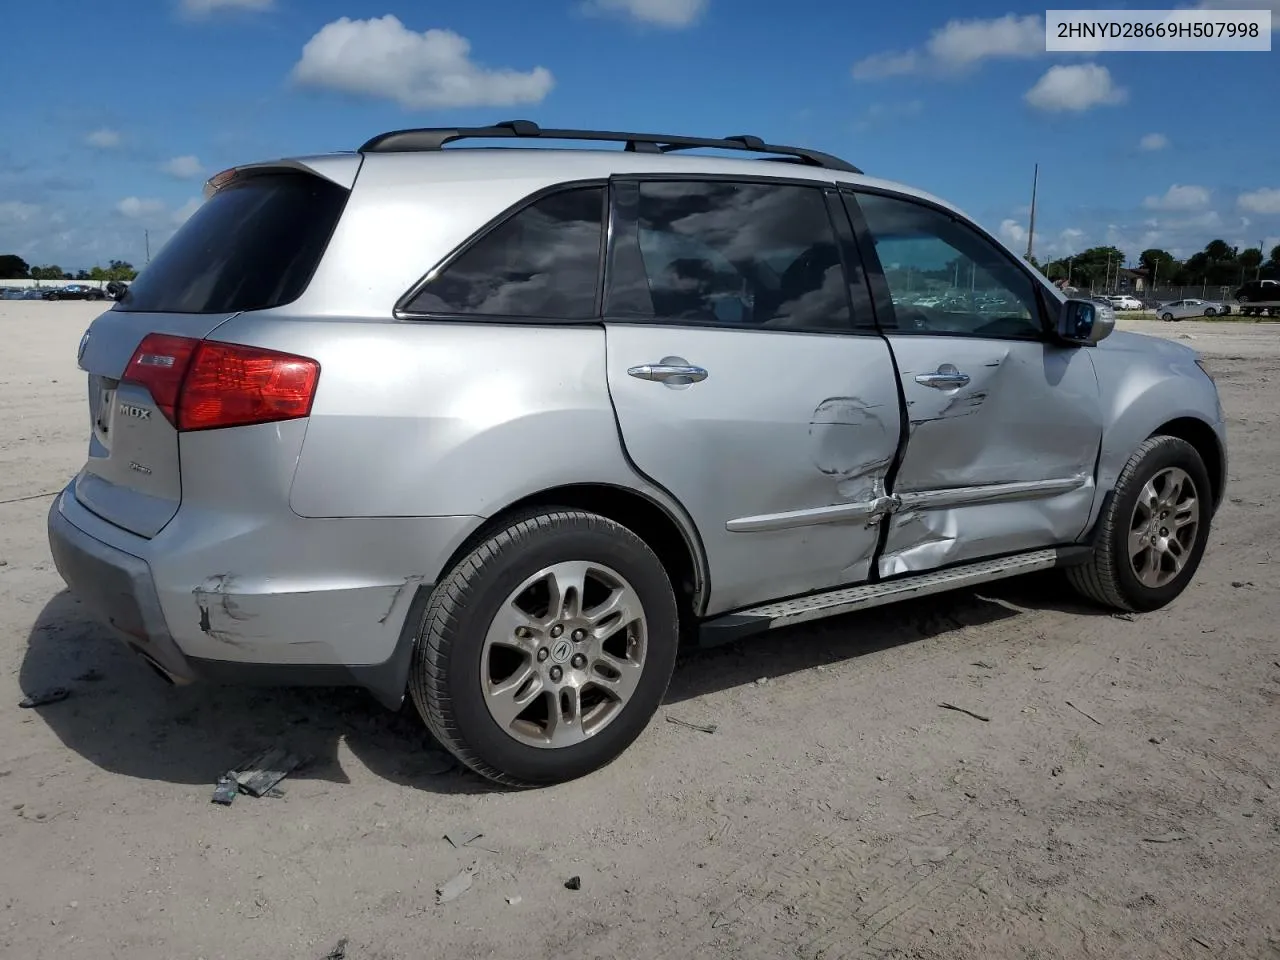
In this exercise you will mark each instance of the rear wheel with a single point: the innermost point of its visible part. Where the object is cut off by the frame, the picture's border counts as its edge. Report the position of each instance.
(1153, 531)
(545, 652)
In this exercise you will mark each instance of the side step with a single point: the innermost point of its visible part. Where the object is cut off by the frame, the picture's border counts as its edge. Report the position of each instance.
(818, 606)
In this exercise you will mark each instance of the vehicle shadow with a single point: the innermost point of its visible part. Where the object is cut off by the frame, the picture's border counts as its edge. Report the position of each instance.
(124, 719)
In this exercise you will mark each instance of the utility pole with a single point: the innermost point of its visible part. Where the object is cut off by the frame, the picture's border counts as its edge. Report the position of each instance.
(1031, 226)
(147, 236)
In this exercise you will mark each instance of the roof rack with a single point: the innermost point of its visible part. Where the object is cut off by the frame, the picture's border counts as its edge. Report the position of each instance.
(426, 139)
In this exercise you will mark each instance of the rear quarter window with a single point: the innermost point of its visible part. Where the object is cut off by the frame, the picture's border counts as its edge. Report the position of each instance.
(254, 244)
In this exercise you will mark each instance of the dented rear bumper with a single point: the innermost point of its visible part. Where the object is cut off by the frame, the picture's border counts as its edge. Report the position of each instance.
(284, 601)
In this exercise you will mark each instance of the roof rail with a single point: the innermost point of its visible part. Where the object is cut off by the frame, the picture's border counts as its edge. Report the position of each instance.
(425, 139)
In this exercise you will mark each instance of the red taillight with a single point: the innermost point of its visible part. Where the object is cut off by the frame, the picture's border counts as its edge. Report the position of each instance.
(201, 385)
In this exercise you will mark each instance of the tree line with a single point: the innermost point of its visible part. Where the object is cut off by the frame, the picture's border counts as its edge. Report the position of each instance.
(13, 267)
(1218, 265)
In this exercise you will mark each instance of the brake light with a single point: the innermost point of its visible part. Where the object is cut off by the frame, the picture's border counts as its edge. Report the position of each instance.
(201, 385)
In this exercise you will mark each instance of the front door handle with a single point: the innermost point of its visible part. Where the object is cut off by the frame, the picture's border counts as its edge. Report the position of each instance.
(674, 371)
(947, 378)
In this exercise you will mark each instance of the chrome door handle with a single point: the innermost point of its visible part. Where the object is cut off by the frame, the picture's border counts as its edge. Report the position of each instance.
(947, 378)
(665, 372)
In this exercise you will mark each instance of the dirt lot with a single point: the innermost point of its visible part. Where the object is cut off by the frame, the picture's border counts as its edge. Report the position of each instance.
(1123, 799)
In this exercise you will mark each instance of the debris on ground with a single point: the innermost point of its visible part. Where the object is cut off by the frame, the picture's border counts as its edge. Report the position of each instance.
(702, 727)
(1082, 713)
(460, 838)
(983, 665)
(512, 901)
(224, 793)
(976, 716)
(1129, 617)
(44, 698)
(1156, 740)
(1058, 771)
(457, 886)
(1203, 942)
(259, 776)
(339, 952)
(1166, 838)
(573, 883)
(922, 855)
(1242, 583)
(762, 681)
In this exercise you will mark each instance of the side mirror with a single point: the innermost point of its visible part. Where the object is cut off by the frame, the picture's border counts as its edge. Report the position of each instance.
(1085, 322)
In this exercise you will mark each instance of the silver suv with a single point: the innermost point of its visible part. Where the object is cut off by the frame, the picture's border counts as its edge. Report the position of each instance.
(500, 428)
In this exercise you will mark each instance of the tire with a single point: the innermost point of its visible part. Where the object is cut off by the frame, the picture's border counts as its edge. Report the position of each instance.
(1167, 317)
(1109, 577)
(1210, 313)
(456, 657)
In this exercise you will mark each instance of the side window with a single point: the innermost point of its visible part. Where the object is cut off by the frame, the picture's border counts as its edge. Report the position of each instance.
(945, 277)
(749, 255)
(543, 262)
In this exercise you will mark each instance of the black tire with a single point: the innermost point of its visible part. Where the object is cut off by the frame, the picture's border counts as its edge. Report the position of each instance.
(1210, 312)
(1108, 577)
(445, 673)
(1167, 318)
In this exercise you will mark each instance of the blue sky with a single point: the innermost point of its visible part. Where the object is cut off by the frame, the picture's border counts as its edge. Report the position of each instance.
(119, 109)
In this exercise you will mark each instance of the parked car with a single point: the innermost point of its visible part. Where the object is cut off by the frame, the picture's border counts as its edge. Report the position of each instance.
(585, 405)
(1125, 302)
(75, 291)
(1184, 309)
(1259, 291)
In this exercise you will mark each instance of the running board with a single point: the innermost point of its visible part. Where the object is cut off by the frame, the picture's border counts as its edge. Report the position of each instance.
(833, 603)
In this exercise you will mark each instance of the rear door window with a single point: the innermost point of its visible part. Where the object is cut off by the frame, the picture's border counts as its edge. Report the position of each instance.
(541, 263)
(736, 254)
(254, 244)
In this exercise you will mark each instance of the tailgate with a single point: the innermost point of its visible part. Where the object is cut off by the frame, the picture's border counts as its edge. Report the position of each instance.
(131, 477)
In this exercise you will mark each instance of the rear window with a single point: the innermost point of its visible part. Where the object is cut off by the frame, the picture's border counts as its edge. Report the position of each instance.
(254, 244)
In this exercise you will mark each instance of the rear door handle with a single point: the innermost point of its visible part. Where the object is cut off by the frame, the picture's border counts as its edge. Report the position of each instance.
(947, 378)
(671, 370)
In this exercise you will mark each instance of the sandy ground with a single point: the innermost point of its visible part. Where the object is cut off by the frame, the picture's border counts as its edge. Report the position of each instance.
(836, 812)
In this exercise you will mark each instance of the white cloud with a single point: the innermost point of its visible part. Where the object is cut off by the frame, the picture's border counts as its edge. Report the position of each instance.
(1179, 197)
(1013, 233)
(1075, 88)
(15, 211)
(382, 58)
(183, 168)
(1154, 141)
(879, 112)
(139, 208)
(662, 13)
(104, 139)
(202, 8)
(184, 212)
(960, 44)
(1262, 202)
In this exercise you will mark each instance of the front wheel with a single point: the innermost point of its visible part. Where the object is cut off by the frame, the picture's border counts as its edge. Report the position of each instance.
(545, 652)
(1152, 533)
(1210, 312)
(1167, 317)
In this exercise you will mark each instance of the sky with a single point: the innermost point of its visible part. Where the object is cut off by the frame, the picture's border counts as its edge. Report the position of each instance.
(118, 110)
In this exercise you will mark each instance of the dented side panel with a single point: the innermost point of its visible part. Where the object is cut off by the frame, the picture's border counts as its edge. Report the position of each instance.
(780, 454)
(1003, 463)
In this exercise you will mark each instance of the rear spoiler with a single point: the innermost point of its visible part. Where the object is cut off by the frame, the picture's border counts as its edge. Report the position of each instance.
(339, 168)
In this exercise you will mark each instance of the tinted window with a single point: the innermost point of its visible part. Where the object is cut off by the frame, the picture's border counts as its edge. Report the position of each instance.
(542, 262)
(254, 244)
(735, 254)
(945, 277)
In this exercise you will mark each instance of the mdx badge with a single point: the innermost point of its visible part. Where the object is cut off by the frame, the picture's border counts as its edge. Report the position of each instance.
(139, 413)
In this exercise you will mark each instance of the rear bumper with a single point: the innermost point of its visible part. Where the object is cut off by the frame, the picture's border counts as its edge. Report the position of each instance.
(118, 589)
(289, 602)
